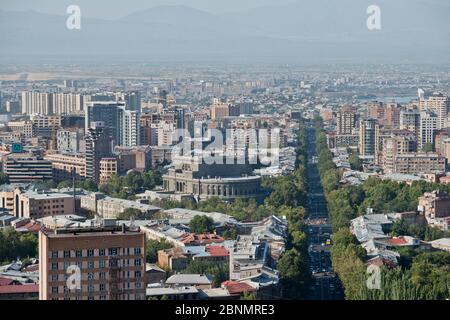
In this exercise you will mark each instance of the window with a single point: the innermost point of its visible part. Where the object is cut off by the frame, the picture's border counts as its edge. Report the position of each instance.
(91, 265)
(102, 297)
(90, 276)
(137, 251)
(102, 275)
(55, 266)
(79, 253)
(138, 285)
(54, 289)
(112, 251)
(54, 254)
(137, 274)
(101, 252)
(91, 288)
(137, 262)
(90, 253)
(102, 287)
(54, 277)
(90, 298)
(102, 263)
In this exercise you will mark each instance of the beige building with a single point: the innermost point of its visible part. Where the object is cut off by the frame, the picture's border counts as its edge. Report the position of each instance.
(415, 163)
(108, 168)
(345, 121)
(439, 104)
(64, 164)
(110, 262)
(25, 128)
(36, 205)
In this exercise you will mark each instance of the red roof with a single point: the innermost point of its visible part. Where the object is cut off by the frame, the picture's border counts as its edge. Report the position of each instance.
(32, 227)
(235, 287)
(206, 238)
(26, 288)
(5, 281)
(217, 251)
(397, 241)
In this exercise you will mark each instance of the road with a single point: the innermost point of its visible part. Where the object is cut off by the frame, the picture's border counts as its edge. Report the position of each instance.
(326, 285)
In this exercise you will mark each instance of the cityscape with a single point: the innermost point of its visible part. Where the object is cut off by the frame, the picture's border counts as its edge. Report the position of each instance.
(161, 178)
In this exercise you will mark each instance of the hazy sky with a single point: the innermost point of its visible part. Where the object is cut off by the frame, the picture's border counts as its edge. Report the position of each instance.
(111, 9)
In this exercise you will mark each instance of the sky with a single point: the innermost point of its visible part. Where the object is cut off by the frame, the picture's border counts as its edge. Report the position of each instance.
(112, 9)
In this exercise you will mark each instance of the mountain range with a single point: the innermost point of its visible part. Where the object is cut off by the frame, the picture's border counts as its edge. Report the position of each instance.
(413, 31)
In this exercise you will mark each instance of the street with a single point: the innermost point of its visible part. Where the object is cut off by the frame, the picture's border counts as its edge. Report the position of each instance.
(326, 285)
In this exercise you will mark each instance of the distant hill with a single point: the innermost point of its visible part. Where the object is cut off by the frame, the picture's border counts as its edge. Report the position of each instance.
(304, 31)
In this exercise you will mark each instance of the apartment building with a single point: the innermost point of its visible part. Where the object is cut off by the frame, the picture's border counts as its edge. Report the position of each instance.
(108, 168)
(110, 261)
(64, 165)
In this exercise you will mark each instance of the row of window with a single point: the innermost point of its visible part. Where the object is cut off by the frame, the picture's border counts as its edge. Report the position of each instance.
(92, 252)
(101, 276)
(97, 264)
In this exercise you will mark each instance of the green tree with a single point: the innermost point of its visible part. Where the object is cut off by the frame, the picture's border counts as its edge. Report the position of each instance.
(201, 224)
(153, 246)
(129, 213)
(3, 178)
(295, 277)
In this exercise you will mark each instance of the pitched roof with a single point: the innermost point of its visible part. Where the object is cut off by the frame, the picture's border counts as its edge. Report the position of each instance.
(217, 251)
(235, 287)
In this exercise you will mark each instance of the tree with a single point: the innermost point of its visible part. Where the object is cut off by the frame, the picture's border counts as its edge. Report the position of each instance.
(201, 224)
(355, 162)
(248, 296)
(295, 277)
(3, 178)
(427, 147)
(90, 185)
(300, 241)
(13, 244)
(152, 248)
(218, 271)
(129, 213)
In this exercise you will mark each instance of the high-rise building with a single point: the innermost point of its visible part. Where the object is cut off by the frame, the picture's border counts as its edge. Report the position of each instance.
(36, 103)
(109, 260)
(13, 107)
(376, 111)
(439, 104)
(67, 103)
(428, 125)
(106, 112)
(410, 120)
(129, 127)
(98, 146)
(368, 132)
(392, 115)
(392, 147)
(68, 141)
(45, 103)
(345, 121)
(132, 100)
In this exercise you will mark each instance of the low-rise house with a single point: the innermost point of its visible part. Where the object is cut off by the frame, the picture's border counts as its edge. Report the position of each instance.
(154, 274)
(173, 293)
(441, 244)
(200, 281)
